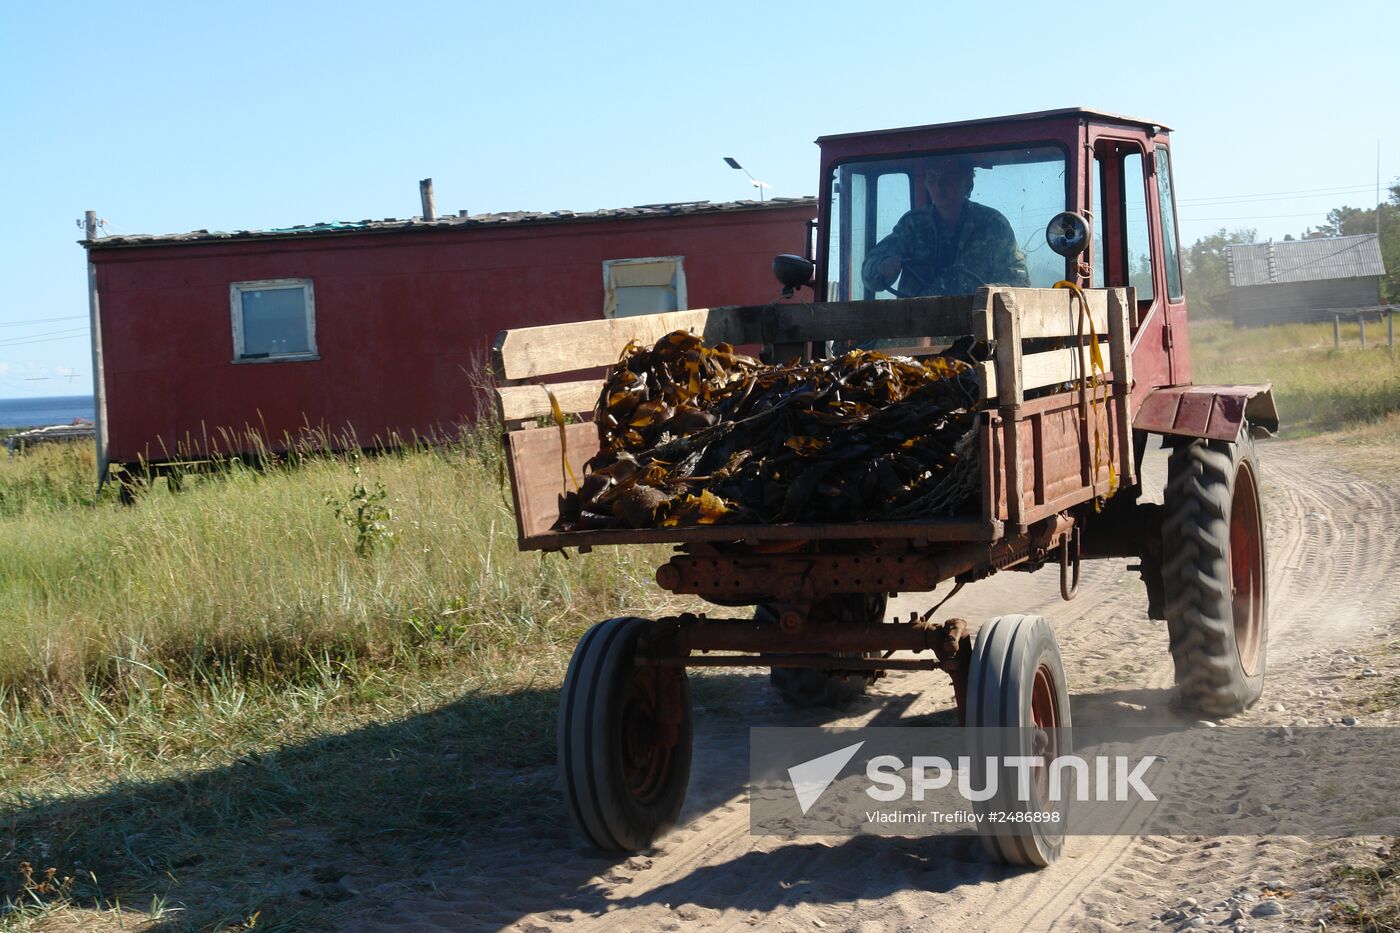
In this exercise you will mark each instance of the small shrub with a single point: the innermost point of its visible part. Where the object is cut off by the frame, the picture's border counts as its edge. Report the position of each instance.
(365, 513)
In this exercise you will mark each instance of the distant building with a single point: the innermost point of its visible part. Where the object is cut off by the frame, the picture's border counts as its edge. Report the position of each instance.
(377, 328)
(1282, 282)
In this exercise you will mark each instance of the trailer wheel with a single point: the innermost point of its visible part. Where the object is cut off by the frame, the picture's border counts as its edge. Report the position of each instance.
(624, 739)
(1214, 574)
(808, 687)
(1018, 683)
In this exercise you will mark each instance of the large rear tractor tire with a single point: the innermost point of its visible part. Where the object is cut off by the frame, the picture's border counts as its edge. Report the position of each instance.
(1214, 575)
(624, 739)
(807, 687)
(1017, 693)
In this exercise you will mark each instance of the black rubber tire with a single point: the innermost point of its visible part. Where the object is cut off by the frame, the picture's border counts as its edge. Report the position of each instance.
(1006, 656)
(603, 693)
(807, 687)
(1213, 675)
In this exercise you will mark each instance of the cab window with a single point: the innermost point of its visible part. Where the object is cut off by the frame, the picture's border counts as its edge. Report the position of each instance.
(1172, 255)
(1138, 238)
(1000, 241)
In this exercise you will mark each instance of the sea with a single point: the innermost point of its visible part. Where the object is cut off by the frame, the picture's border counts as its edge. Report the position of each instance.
(41, 412)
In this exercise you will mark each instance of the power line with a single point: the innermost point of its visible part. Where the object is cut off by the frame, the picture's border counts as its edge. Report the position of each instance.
(44, 320)
(1272, 194)
(46, 338)
(1227, 200)
(1253, 216)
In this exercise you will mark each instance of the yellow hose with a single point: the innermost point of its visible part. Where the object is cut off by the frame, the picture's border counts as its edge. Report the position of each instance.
(1092, 380)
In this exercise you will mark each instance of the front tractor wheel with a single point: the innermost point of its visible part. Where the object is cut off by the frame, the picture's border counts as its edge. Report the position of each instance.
(1214, 575)
(1018, 705)
(624, 739)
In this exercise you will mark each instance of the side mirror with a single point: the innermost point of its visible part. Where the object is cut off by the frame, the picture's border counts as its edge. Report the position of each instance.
(1068, 234)
(793, 272)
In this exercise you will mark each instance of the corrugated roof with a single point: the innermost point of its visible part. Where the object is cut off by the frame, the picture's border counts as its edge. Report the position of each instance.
(1283, 261)
(390, 224)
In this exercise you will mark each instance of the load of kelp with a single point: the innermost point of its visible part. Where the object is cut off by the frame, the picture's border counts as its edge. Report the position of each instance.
(697, 435)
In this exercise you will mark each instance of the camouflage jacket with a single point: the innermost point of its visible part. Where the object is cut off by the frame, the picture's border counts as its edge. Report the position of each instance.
(941, 260)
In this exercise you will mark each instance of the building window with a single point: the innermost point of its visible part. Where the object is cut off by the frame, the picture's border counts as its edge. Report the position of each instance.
(643, 286)
(273, 320)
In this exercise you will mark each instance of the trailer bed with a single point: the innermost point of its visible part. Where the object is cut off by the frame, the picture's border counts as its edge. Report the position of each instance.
(1038, 455)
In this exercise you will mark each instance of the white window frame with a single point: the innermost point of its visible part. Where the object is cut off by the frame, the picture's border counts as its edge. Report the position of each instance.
(610, 289)
(235, 294)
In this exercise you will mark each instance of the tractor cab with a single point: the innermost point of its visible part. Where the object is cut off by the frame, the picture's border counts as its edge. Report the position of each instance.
(891, 225)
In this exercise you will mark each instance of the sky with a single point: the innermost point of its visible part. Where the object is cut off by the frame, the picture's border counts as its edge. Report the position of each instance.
(170, 117)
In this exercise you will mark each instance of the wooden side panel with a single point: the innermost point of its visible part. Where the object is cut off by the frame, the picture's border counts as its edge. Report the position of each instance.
(1058, 456)
(537, 474)
(1062, 465)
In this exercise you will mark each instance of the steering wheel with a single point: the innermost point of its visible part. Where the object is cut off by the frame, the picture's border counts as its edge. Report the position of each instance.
(920, 286)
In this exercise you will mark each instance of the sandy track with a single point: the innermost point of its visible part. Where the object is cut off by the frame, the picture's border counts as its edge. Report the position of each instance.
(1334, 581)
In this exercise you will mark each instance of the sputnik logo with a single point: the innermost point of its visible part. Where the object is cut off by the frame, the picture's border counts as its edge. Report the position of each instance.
(811, 778)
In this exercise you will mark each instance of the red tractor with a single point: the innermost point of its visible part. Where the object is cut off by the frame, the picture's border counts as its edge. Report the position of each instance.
(928, 237)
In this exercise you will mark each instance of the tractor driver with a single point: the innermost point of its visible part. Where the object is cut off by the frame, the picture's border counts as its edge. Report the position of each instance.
(951, 245)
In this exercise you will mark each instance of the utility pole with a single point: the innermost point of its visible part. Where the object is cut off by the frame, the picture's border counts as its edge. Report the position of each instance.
(99, 387)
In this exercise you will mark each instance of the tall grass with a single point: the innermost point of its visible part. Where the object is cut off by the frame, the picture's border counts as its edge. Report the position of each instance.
(148, 653)
(48, 476)
(253, 572)
(1318, 388)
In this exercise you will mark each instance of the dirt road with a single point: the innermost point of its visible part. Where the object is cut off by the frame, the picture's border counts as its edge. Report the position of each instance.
(1334, 577)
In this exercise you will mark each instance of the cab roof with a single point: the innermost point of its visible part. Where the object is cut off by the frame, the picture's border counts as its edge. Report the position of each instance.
(1100, 116)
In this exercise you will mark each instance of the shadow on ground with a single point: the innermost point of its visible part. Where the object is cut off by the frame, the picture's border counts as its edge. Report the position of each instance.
(292, 833)
(370, 816)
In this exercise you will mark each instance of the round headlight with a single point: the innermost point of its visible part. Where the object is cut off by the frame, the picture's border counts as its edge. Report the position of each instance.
(1067, 233)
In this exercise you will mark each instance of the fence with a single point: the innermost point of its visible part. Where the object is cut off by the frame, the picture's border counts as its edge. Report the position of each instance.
(1386, 312)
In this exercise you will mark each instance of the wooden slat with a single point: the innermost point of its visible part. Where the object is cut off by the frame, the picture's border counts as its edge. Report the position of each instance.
(517, 403)
(1120, 358)
(979, 323)
(527, 352)
(1053, 312)
(1039, 370)
(1121, 361)
(1006, 324)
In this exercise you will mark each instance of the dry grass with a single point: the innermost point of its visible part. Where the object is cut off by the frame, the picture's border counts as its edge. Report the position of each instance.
(1319, 388)
(1370, 893)
(204, 694)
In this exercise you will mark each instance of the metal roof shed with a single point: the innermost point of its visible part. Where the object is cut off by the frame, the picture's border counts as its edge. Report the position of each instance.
(1287, 281)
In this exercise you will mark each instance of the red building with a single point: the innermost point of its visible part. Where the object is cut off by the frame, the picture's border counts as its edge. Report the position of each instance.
(376, 328)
